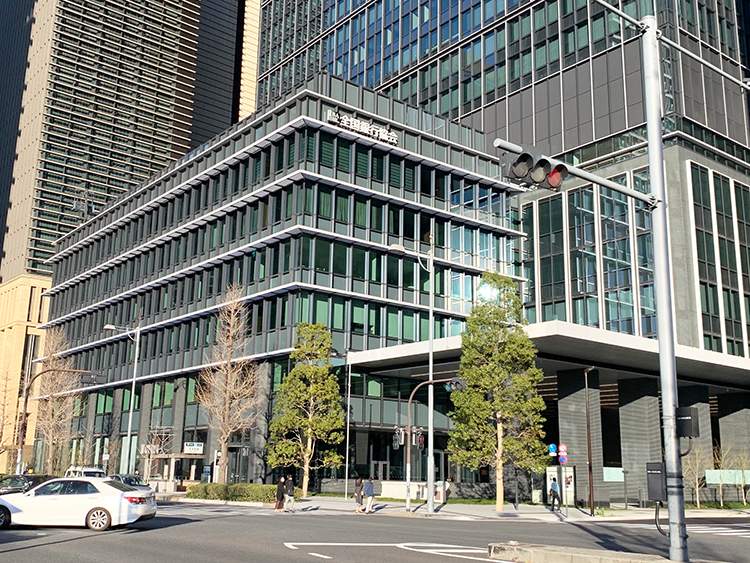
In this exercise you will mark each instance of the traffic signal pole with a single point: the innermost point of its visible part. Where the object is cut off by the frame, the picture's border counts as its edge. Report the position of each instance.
(656, 201)
(408, 439)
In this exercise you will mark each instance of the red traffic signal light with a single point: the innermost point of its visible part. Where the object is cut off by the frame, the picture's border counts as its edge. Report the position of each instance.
(533, 169)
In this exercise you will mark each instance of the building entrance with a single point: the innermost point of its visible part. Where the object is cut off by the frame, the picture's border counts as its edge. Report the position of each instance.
(380, 470)
(239, 464)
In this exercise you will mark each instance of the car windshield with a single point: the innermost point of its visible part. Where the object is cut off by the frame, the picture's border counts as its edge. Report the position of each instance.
(134, 481)
(119, 486)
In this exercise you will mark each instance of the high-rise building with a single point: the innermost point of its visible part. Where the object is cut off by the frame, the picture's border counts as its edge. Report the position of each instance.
(112, 92)
(98, 96)
(566, 76)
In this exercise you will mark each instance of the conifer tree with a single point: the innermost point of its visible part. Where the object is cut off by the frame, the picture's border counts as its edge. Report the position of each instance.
(498, 417)
(308, 418)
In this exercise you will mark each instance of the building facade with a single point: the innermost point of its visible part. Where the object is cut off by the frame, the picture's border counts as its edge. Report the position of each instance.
(98, 96)
(566, 77)
(300, 205)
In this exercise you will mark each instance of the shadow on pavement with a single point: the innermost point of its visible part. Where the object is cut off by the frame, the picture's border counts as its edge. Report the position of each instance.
(620, 540)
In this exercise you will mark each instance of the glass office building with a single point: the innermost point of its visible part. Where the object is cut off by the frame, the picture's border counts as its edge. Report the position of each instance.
(566, 77)
(300, 205)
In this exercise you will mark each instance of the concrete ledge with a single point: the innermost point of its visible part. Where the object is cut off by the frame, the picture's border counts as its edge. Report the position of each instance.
(533, 553)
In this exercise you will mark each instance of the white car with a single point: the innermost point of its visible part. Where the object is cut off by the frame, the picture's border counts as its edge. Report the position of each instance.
(79, 501)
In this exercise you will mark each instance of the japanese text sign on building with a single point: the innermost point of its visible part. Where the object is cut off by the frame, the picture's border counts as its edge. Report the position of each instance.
(363, 127)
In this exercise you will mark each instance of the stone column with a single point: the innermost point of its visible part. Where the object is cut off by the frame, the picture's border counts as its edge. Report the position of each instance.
(572, 420)
(701, 457)
(640, 429)
(734, 421)
(143, 421)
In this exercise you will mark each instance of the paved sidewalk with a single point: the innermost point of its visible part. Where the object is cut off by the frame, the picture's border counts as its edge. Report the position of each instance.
(473, 511)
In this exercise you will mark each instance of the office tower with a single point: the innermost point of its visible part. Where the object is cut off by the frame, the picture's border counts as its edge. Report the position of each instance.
(97, 96)
(565, 76)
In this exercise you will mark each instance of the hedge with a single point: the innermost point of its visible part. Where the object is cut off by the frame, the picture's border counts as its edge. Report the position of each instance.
(246, 492)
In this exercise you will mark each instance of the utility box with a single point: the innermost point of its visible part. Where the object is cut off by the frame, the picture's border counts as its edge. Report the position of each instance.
(656, 479)
(687, 422)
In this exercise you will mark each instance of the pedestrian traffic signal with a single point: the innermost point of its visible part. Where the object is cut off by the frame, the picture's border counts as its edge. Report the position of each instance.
(420, 442)
(532, 168)
(396, 444)
(455, 384)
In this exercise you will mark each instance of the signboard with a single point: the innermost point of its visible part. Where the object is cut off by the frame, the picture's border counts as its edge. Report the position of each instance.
(562, 449)
(192, 448)
(364, 127)
(553, 449)
(105, 457)
(563, 460)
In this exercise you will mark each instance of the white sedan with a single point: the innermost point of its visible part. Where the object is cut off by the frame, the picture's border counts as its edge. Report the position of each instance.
(78, 501)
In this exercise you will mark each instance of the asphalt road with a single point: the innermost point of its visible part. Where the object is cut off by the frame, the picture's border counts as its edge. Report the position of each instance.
(207, 534)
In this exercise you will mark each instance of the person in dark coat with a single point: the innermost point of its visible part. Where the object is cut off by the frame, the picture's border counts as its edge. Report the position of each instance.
(279, 495)
(358, 489)
(289, 494)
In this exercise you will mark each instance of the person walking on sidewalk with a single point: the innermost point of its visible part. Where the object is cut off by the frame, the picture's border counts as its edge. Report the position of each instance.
(370, 494)
(279, 495)
(554, 493)
(289, 494)
(358, 488)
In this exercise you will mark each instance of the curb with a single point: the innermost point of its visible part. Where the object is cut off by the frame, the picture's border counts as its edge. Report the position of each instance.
(535, 553)
(171, 498)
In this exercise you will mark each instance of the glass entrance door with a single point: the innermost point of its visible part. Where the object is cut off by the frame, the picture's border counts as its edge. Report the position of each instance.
(239, 462)
(379, 470)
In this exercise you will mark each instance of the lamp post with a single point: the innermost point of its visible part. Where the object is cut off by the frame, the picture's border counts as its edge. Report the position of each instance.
(137, 340)
(22, 422)
(348, 365)
(430, 269)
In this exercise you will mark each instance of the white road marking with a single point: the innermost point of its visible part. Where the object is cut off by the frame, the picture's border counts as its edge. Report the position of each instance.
(320, 555)
(446, 550)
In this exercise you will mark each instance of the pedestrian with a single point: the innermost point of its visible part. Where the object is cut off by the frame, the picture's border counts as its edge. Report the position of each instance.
(370, 494)
(289, 494)
(358, 488)
(554, 493)
(279, 495)
(136, 472)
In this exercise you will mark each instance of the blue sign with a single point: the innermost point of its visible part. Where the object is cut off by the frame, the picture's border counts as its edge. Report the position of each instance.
(563, 460)
(553, 448)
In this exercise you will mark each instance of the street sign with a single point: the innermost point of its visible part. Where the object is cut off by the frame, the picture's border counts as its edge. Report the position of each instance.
(552, 448)
(563, 459)
(105, 457)
(563, 448)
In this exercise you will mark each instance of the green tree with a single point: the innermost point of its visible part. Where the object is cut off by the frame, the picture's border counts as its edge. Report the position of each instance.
(308, 418)
(498, 417)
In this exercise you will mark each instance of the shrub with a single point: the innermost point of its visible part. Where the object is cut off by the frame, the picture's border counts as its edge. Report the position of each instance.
(246, 492)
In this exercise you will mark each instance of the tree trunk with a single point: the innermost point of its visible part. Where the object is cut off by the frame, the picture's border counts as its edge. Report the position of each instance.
(698, 494)
(50, 459)
(223, 460)
(500, 500)
(306, 466)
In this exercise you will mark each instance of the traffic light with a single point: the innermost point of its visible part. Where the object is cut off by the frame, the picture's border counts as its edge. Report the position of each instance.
(396, 444)
(420, 442)
(532, 168)
(455, 384)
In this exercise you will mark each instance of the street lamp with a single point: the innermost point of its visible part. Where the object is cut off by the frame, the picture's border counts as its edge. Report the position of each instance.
(430, 269)
(348, 416)
(137, 340)
(22, 422)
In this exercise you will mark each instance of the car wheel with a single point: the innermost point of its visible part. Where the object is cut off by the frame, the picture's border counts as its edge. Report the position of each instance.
(4, 517)
(98, 519)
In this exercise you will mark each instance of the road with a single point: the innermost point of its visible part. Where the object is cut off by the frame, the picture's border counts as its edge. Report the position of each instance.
(188, 533)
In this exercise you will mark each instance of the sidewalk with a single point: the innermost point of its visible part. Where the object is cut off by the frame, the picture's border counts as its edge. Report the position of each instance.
(471, 511)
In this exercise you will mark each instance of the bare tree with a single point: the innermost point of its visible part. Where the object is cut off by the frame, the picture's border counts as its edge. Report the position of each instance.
(694, 468)
(6, 424)
(113, 451)
(159, 442)
(740, 462)
(57, 392)
(721, 463)
(229, 388)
